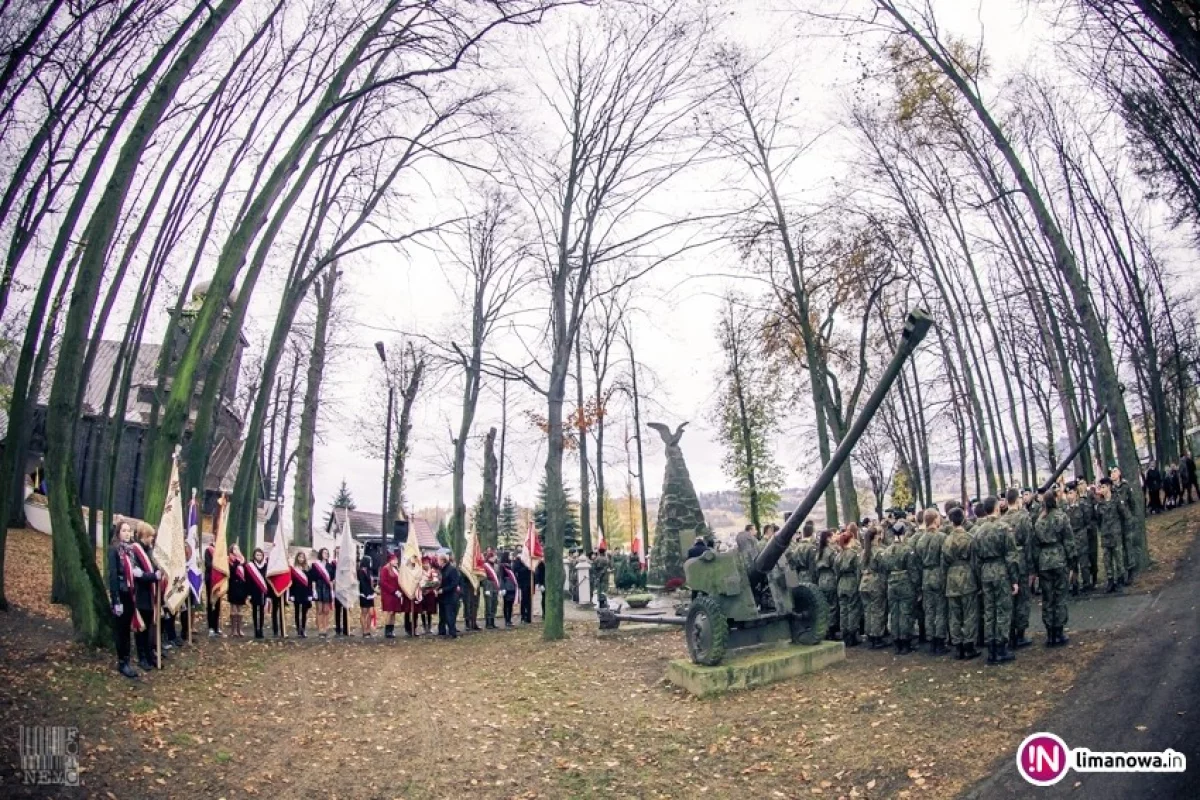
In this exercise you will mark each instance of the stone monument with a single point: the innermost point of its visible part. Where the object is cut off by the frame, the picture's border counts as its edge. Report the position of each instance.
(680, 519)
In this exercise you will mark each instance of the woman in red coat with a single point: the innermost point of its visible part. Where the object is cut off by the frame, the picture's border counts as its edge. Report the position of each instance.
(390, 595)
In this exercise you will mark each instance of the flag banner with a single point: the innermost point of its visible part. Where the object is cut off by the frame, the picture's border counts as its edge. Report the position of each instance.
(411, 571)
(346, 578)
(169, 550)
(279, 572)
(533, 547)
(195, 575)
(218, 574)
(472, 561)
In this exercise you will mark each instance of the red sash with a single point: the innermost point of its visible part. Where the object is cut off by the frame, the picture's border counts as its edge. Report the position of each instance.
(257, 576)
(491, 574)
(238, 567)
(322, 573)
(300, 576)
(146, 564)
(508, 573)
(138, 623)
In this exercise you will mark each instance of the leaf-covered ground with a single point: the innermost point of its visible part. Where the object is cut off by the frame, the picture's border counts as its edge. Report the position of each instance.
(503, 714)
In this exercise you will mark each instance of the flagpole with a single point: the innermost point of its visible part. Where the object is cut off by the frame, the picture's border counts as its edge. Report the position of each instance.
(158, 625)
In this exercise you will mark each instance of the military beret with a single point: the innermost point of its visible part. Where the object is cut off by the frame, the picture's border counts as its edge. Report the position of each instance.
(1106, 481)
(911, 508)
(1071, 486)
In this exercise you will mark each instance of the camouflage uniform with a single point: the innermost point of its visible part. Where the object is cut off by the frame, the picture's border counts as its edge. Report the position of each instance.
(1077, 514)
(803, 559)
(1054, 549)
(962, 587)
(904, 576)
(914, 541)
(998, 570)
(1088, 501)
(1021, 525)
(933, 585)
(1124, 494)
(849, 572)
(1108, 515)
(872, 590)
(827, 583)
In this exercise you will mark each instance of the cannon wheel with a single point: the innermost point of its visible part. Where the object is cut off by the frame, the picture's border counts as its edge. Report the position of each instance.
(809, 619)
(706, 631)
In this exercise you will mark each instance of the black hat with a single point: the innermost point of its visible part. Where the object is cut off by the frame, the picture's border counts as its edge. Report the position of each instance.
(1106, 481)
(1071, 486)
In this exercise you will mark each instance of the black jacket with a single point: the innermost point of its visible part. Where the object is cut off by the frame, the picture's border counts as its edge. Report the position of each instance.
(697, 550)
(451, 581)
(144, 594)
(521, 570)
(539, 574)
(116, 578)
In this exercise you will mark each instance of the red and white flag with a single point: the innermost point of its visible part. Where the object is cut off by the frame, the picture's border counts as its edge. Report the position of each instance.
(533, 547)
(279, 572)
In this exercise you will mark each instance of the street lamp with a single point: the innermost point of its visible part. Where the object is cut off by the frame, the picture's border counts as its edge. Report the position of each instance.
(387, 454)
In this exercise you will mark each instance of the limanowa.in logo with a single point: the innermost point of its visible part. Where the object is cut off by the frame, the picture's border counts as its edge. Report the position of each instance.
(1044, 759)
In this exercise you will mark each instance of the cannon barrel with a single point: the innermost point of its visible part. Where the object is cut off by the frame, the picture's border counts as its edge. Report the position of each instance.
(1083, 440)
(916, 326)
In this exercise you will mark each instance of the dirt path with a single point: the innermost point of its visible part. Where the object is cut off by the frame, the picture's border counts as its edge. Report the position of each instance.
(1142, 694)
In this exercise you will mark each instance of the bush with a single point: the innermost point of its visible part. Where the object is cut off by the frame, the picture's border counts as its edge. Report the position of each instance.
(627, 573)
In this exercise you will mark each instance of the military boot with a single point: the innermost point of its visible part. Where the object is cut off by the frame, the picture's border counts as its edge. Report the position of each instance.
(1020, 640)
(908, 648)
(1002, 654)
(1062, 637)
(852, 640)
(961, 655)
(971, 651)
(1051, 637)
(939, 646)
(877, 642)
(991, 659)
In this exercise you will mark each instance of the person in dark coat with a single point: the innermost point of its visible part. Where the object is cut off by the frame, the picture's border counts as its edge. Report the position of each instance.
(366, 596)
(1187, 478)
(239, 589)
(539, 579)
(525, 587)
(257, 592)
(429, 593)
(448, 595)
(1154, 487)
(320, 576)
(300, 593)
(508, 586)
(146, 578)
(120, 594)
(698, 548)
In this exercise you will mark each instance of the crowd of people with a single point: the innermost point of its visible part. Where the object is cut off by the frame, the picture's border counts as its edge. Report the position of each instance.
(963, 577)
(1171, 487)
(137, 585)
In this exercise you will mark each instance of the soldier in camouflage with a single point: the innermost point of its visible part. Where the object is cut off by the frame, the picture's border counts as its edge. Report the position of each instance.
(999, 565)
(803, 555)
(824, 559)
(1077, 513)
(1109, 517)
(1054, 550)
(962, 585)
(903, 577)
(1021, 525)
(933, 583)
(848, 568)
(872, 588)
(1087, 498)
(1123, 492)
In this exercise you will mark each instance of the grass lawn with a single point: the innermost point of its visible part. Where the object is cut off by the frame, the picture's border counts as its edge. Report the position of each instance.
(503, 714)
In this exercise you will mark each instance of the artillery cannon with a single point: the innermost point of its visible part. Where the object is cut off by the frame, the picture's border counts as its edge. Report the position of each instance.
(742, 605)
(1066, 462)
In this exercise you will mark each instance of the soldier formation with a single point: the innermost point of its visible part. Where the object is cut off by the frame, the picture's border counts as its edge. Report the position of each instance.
(963, 578)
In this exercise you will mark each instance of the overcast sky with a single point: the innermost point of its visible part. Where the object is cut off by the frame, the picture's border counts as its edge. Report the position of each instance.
(677, 306)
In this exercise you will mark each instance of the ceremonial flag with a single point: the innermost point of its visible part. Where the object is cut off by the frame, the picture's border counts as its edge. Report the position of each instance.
(169, 546)
(411, 570)
(195, 576)
(279, 572)
(602, 542)
(636, 547)
(218, 573)
(472, 561)
(533, 548)
(346, 579)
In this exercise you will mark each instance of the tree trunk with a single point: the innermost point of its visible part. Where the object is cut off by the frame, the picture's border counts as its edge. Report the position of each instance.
(585, 502)
(302, 494)
(637, 436)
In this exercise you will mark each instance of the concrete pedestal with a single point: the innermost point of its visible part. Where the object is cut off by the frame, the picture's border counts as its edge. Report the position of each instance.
(757, 667)
(583, 578)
